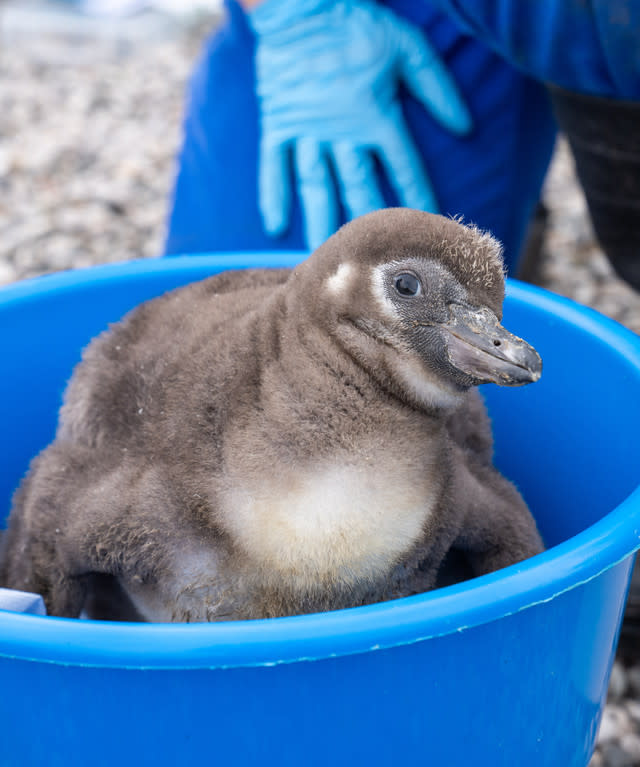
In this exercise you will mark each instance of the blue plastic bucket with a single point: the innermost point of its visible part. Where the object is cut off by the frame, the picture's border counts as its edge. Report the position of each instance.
(508, 669)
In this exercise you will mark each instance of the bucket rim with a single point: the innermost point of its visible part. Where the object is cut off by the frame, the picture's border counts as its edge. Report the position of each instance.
(445, 611)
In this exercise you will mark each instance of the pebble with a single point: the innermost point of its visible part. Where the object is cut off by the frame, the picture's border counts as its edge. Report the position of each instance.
(630, 743)
(633, 709)
(617, 682)
(7, 273)
(633, 675)
(614, 755)
(615, 722)
(89, 135)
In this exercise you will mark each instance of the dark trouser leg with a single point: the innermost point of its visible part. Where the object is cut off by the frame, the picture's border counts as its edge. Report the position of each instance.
(604, 135)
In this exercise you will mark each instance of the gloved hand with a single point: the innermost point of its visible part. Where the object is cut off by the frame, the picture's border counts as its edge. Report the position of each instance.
(327, 77)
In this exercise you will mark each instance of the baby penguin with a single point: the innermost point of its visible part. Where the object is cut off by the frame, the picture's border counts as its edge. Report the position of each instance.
(274, 442)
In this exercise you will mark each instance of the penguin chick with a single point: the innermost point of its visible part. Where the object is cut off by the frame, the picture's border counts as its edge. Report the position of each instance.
(274, 442)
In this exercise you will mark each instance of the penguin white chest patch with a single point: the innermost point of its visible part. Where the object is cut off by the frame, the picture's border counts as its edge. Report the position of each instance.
(338, 521)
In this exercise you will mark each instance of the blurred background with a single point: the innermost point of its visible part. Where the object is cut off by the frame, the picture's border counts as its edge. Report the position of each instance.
(91, 103)
(90, 116)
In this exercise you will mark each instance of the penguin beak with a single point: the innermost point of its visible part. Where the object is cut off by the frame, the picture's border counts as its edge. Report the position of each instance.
(479, 346)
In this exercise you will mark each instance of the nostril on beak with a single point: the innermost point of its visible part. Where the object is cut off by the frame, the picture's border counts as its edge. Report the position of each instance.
(496, 343)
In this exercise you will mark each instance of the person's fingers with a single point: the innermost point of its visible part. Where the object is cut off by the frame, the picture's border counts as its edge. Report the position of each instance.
(404, 166)
(356, 176)
(274, 189)
(315, 186)
(429, 80)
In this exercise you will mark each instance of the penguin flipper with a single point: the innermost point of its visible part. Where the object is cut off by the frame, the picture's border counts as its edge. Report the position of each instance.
(497, 527)
(72, 520)
(34, 546)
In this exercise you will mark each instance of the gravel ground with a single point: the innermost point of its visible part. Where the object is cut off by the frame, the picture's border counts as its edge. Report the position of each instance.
(88, 132)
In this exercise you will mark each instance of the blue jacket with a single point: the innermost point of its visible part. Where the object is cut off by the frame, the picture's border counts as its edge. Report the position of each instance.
(589, 46)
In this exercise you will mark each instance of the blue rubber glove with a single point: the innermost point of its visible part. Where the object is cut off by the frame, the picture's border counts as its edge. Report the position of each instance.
(588, 46)
(327, 79)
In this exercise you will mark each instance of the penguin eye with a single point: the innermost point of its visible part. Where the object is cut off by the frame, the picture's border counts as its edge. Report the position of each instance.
(407, 284)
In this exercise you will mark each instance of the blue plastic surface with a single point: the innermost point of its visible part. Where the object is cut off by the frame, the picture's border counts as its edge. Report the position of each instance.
(511, 668)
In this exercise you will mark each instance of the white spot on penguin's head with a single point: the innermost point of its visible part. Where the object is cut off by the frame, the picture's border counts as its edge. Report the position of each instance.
(377, 288)
(337, 282)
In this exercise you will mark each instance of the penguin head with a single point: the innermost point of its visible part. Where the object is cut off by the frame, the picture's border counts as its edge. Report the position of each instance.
(416, 299)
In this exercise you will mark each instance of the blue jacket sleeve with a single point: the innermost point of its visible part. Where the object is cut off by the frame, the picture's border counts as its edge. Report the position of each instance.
(588, 46)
